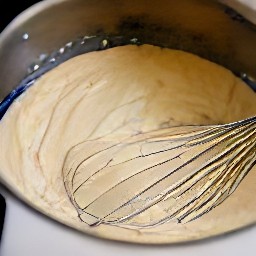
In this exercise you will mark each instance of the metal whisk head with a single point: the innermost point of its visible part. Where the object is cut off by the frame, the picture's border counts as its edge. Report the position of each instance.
(175, 174)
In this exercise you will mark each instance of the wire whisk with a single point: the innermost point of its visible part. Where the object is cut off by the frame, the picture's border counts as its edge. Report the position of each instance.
(175, 174)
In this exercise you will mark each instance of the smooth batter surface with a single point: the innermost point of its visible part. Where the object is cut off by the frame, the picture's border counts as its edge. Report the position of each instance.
(119, 93)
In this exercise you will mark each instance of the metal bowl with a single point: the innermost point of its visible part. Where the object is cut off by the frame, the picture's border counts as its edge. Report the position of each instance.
(206, 28)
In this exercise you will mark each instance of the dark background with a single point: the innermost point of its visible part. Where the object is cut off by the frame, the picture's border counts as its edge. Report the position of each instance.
(10, 9)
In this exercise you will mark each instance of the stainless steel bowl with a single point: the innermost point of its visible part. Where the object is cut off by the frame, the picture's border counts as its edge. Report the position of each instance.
(203, 27)
(206, 28)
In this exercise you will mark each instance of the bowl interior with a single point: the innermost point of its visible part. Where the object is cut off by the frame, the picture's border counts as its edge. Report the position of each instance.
(206, 28)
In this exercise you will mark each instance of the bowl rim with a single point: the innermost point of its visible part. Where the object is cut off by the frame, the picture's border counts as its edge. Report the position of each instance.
(26, 15)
